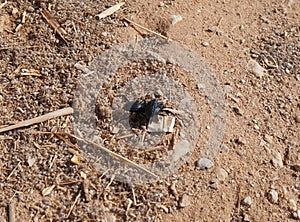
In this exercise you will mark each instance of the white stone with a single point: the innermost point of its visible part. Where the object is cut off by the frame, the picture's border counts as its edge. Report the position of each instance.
(255, 68)
(247, 201)
(221, 174)
(205, 44)
(273, 196)
(277, 160)
(184, 201)
(296, 215)
(176, 18)
(204, 163)
(292, 205)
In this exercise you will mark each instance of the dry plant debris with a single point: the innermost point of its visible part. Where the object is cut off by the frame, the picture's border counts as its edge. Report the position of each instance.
(52, 21)
(111, 10)
(39, 119)
(267, 31)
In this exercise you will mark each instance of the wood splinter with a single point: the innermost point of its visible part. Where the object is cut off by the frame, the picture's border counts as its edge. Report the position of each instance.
(11, 212)
(52, 21)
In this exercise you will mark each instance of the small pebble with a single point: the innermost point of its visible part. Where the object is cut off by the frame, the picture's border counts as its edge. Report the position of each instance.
(161, 4)
(292, 205)
(15, 12)
(246, 217)
(297, 119)
(237, 110)
(184, 201)
(256, 127)
(268, 138)
(272, 196)
(277, 160)
(214, 184)
(224, 147)
(247, 201)
(205, 44)
(31, 161)
(204, 163)
(255, 68)
(176, 18)
(221, 174)
(296, 215)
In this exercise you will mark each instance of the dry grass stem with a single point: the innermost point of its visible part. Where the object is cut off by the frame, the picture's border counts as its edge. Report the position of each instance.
(124, 159)
(11, 212)
(144, 28)
(39, 119)
(73, 205)
(52, 21)
(110, 10)
(13, 170)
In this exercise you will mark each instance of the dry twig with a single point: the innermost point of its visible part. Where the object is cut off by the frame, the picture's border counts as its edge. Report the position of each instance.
(110, 10)
(39, 119)
(11, 212)
(73, 205)
(142, 27)
(135, 165)
(13, 170)
(52, 21)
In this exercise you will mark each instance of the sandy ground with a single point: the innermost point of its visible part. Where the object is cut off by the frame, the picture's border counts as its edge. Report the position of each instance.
(255, 176)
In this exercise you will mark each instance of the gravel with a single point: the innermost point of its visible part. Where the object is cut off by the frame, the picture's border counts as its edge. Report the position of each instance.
(204, 163)
(221, 174)
(277, 160)
(247, 201)
(272, 196)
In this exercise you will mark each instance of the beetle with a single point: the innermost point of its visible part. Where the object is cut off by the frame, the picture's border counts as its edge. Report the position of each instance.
(137, 107)
(149, 109)
(152, 109)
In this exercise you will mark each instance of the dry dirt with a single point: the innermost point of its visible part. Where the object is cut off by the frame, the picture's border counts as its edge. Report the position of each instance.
(263, 112)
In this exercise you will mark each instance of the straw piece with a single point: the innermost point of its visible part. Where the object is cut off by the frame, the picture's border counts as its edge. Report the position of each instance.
(110, 10)
(39, 119)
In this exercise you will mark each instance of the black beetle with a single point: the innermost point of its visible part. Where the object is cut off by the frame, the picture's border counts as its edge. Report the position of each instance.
(137, 107)
(152, 108)
(149, 109)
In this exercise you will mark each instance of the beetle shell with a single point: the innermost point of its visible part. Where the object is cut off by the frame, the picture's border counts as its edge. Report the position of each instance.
(153, 108)
(136, 107)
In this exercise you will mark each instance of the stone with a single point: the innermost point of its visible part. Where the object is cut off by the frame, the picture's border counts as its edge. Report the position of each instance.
(247, 201)
(277, 160)
(246, 217)
(204, 163)
(30, 161)
(176, 18)
(292, 205)
(221, 174)
(268, 138)
(296, 215)
(205, 44)
(272, 196)
(237, 110)
(297, 119)
(224, 147)
(184, 201)
(253, 67)
(214, 184)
